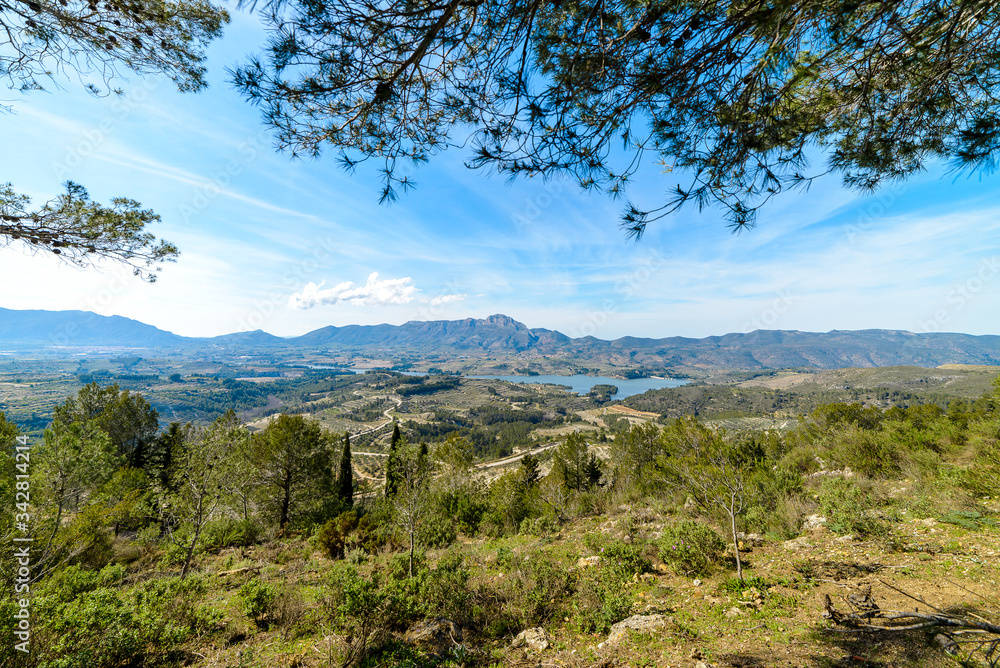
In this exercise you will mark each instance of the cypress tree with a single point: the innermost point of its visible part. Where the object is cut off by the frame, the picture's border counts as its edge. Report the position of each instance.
(391, 464)
(345, 481)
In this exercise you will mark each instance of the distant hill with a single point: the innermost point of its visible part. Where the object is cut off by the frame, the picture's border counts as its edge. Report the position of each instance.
(501, 334)
(58, 329)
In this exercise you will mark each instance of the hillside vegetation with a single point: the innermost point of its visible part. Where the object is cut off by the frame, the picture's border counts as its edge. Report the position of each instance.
(624, 539)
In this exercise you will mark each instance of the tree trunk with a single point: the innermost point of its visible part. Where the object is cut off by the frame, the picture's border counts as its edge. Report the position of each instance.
(411, 550)
(194, 541)
(736, 544)
(285, 501)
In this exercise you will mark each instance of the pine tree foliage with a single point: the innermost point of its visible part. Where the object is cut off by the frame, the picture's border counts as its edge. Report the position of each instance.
(126, 417)
(41, 39)
(575, 465)
(96, 41)
(81, 231)
(731, 97)
(293, 464)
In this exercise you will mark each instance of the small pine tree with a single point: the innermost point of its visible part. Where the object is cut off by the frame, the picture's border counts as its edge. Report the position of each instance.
(573, 463)
(345, 481)
(530, 470)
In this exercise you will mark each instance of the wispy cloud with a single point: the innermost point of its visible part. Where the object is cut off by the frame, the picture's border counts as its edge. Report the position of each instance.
(445, 299)
(375, 292)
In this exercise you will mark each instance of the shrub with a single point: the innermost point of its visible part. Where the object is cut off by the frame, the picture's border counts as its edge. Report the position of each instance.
(333, 535)
(628, 558)
(690, 548)
(873, 454)
(537, 526)
(601, 599)
(775, 498)
(464, 508)
(257, 601)
(101, 628)
(537, 588)
(602, 596)
(444, 591)
(289, 609)
(365, 610)
(230, 532)
(854, 507)
(438, 531)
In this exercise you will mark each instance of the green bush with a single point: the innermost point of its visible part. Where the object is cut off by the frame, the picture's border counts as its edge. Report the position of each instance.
(438, 531)
(464, 508)
(444, 590)
(101, 628)
(537, 587)
(775, 492)
(854, 506)
(616, 554)
(537, 526)
(602, 596)
(333, 536)
(601, 599)
(872, 454)
(690, 548)
(83, 626)
(257, 601)
(230, 532)
(177, 600)
(365, 609)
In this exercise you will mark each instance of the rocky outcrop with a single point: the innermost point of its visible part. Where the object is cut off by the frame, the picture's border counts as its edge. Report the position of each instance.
(536, 638)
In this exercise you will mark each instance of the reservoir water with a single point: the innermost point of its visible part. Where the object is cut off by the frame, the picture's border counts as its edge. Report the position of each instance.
(578, 383)
(582, 384)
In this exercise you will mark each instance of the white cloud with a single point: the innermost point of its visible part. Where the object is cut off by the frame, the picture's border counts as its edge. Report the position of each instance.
(375, 292)
(444, 299)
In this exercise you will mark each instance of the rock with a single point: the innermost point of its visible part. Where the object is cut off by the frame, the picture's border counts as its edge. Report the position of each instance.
(813, 522)
(635, 623)
(733, 612)
(701, 664)
(697, 583)
(436, 635)
(754, 598)
(585, 562)
(750, 539)
(797, 543)
(536, 638)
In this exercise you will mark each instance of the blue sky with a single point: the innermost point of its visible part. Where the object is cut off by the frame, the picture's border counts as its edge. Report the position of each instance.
(289, 246)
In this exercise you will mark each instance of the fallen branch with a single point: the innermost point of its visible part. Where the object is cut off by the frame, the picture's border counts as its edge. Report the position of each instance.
(867, 616)
(238, 570)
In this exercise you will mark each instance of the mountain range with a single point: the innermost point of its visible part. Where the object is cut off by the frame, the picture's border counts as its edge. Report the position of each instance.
(500, 334)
